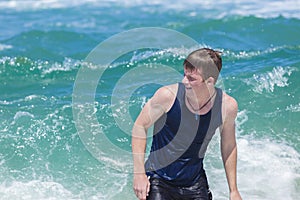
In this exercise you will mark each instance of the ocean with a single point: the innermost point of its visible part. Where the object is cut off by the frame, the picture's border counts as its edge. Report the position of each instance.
(75, 74)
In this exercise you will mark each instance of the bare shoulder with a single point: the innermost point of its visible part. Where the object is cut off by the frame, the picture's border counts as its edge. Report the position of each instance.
(165, 96)
(160, 103)
(166, 91)
(229, 107)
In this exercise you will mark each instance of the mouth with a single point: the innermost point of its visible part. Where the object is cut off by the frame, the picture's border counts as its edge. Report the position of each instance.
(188, 88)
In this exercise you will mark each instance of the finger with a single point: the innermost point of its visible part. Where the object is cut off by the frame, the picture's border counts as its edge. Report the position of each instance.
(148, 188)
(135, 191)
(143, 194)
(139, 194)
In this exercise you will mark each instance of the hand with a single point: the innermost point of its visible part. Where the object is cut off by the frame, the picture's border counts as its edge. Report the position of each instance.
(141, 186)
(235, 195)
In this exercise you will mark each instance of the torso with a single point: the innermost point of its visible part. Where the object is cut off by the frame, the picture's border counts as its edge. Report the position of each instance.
(180, 140)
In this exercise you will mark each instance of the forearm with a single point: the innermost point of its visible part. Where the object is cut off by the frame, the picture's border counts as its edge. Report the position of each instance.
(230, 162)
(141, 184)
(139, 139)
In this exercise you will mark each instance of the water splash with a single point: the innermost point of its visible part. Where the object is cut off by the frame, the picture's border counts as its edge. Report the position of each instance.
(278, 77)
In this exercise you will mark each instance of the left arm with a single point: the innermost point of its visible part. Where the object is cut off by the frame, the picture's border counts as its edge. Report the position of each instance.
(228, 145)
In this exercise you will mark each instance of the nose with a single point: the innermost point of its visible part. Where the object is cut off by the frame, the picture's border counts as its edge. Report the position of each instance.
(185, 81)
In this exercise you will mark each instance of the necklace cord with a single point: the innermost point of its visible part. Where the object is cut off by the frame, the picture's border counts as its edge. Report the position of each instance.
(197, 110)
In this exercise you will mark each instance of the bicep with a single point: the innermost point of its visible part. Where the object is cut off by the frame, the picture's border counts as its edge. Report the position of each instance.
(154, 108)
(229, 114)
(149, 114)
(145, 119)
(227, 133)
(228, 128)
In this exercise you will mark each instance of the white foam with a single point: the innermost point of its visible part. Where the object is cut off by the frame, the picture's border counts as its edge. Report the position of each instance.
(251, 54)
(42, 4)
(178, 53)
(33, 96)
(242, 118)
(264, 9)
(102, 183)
(34, 190)
(5, 46)
(278, 77)
(267, 169)
(26, 99)
(20, 114)
(45, 67)
(67, 65)
(293, 108)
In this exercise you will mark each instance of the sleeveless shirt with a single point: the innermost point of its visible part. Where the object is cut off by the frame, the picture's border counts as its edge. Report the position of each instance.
(180, 139)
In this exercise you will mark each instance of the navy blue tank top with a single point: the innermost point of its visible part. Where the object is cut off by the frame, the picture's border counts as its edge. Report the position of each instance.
(180, 139)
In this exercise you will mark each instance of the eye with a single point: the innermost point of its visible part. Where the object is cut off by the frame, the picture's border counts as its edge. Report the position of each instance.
(190, 78)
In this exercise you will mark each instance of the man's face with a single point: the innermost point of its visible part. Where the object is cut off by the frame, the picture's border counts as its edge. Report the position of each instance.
(193, 79)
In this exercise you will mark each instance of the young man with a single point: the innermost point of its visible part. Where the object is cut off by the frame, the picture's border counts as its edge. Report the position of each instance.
(185, 117)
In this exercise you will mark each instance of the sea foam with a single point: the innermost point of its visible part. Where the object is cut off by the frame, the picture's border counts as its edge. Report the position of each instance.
(264, 9)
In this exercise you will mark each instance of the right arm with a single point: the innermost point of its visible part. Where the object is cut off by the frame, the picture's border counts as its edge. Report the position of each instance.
(159, 104)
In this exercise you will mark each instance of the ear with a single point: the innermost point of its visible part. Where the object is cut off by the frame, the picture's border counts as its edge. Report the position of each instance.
(210, 80)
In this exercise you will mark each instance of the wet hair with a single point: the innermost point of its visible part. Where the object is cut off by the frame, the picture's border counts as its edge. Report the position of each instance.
(207, 60)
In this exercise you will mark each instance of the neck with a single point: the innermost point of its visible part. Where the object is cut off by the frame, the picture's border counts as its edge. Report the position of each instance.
(198, 103)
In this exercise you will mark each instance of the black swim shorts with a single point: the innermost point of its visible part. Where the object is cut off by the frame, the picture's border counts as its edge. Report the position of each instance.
(162, 190)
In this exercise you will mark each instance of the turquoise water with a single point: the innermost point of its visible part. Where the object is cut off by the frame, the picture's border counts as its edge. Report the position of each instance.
(44, 44)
